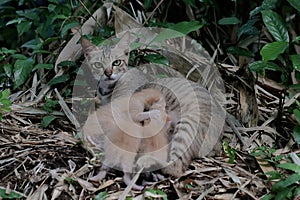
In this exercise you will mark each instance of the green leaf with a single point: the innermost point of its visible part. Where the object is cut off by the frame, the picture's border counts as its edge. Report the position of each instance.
(269, 4)
(239, 51)
(60, 17)
(60, 79)
(71, 181)
(297, 115)
(167, 34)
(229, 21)
(190, 2)
(4, 94)
(296, 132)
(147, 4)
(19, 56)
(2, 2)
(290, 166)
(0, 121)
(22, 69)
(5, 108)
(7, 51)
(248, 28)
(32, 44)
(297, 192)
(43, 66)
(296, 39)
(283, 184)
(41, 52)
(186, 27)
(51, 7)
(295, 86)
(101, 196)
(273, 175)
(47, 120)
(15, 21)
(158, 192)
(296, 61)
(8, 68)
(177, 30)
(157, 59)
(295, 4)
(275, 25)
(228, 150)
(284, 194)
(5, 102)
(32, 15)
(259, 66)
(23, 27)
(272, 50)
(12, 195)
(68, 27)
(67, 63)
(268, 197)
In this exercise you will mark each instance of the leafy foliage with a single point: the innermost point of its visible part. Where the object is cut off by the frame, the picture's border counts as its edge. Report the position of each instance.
(4, 102)
(30, 32)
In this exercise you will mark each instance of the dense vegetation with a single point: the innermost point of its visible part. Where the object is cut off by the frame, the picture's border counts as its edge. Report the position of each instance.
(261, 37)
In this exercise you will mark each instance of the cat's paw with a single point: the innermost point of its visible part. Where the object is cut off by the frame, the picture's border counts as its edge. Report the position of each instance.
(156, 115)
(152, 114)
(99, 177)
(142, 116)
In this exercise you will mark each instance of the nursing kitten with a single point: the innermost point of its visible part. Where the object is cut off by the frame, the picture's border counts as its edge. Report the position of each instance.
(121, 138)
(107, 64)
(198, 129)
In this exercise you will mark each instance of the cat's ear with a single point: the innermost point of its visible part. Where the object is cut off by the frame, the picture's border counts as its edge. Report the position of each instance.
(124, 44)
(87, 46)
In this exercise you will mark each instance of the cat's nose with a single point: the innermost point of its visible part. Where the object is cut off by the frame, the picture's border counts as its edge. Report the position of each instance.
(108, 72)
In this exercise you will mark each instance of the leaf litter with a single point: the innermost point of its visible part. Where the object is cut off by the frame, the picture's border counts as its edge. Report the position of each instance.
(51, 163)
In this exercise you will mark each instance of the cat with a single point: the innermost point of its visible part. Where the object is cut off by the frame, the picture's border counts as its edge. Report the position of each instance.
(125, 127)
(198, 118)
(107, 64)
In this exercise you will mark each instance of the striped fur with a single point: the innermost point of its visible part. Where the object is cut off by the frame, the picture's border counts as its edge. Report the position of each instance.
(198, 119)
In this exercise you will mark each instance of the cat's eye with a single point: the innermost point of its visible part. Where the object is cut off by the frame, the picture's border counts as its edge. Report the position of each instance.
(117, 63)
(98, 65)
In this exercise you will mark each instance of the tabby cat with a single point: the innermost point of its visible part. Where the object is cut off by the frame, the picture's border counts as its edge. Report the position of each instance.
(198, 118)
(122, 139)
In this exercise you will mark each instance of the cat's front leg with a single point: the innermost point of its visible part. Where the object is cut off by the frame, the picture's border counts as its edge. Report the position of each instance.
(127, 180)
(100, 176)
(127, 170)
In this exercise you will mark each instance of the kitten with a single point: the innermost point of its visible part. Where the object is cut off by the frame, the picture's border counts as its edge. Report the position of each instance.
(156, 134)
(198, 127)
(121, 138)
(107, 64)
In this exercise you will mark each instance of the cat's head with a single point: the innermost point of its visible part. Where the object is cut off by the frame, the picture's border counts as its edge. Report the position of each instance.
(109, 62)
